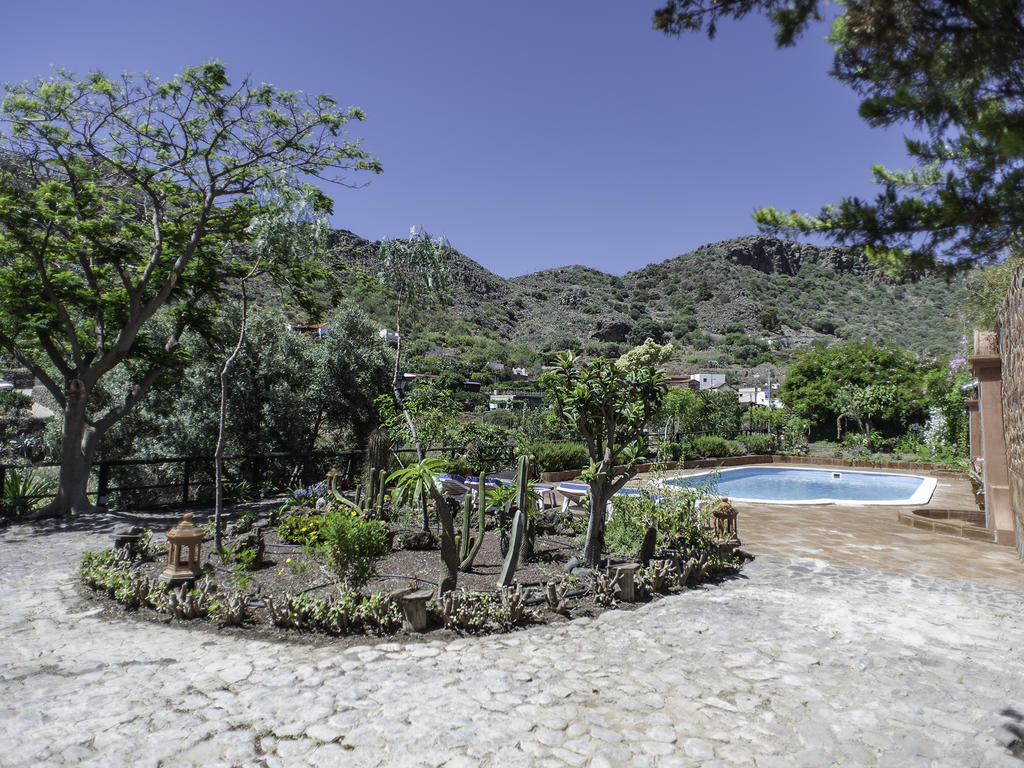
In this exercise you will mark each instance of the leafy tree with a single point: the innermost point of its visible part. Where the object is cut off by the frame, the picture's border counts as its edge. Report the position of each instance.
(432, 411)
(120, 202)
(289, 232)
(952, 70)
(415, 270)
(861, 381)
(354, 369)
(288, 392)
(608, 407)
(769, 319)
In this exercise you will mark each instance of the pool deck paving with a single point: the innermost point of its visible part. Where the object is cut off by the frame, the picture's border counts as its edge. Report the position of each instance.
(850, 640)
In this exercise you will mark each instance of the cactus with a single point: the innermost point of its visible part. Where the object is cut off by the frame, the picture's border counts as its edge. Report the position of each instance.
(513, 603)
(523, 498)
(378, 448)
(508, 569)
(648, 545)
(470, 547)
(518, 532)
(371, 492)
(555, 596)
(381, 488)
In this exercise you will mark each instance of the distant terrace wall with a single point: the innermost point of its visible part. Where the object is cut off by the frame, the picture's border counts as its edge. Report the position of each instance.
(1010, 328)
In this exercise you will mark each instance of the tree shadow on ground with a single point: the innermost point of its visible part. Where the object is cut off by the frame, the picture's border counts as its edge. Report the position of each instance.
(1015, 728)
(108, 522)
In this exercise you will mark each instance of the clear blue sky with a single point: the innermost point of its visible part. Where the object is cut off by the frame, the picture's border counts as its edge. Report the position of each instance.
(532, 134)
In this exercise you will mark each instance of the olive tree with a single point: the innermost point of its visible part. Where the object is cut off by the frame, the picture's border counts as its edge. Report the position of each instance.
(120, 201)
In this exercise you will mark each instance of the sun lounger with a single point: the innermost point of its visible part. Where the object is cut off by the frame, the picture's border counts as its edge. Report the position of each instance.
(453, 485)
(572, 493)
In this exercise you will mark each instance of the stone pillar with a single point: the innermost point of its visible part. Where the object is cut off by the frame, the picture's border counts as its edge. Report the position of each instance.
(987, 367)
(974, 431)
(1011, 346)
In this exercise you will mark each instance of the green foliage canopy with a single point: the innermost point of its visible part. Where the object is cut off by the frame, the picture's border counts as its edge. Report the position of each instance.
(859, 380)
(125, 198)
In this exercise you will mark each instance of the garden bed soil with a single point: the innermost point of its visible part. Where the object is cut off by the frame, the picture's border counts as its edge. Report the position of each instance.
(288, 571)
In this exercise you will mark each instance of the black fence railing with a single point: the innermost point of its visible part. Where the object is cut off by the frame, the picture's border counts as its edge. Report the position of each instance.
(183, 480)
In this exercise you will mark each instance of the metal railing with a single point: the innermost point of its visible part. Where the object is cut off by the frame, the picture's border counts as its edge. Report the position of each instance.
(178, 480)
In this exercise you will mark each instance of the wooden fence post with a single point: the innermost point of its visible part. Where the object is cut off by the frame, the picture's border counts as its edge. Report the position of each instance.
(103, 485)
(186, 478)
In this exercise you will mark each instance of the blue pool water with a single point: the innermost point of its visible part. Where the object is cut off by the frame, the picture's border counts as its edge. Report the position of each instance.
(784, 484)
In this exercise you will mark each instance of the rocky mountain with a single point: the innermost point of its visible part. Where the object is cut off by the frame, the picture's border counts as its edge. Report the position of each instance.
(780, 294)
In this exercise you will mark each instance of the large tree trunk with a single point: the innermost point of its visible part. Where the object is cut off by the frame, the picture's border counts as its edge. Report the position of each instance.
(594, 547)
(77, 450)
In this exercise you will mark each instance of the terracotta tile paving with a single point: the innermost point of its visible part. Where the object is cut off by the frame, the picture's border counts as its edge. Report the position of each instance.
(872, 537)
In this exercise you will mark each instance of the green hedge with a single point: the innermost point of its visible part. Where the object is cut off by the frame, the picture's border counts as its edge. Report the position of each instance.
(559, 457)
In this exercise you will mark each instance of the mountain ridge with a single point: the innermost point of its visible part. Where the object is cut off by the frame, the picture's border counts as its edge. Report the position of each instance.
(764, 287)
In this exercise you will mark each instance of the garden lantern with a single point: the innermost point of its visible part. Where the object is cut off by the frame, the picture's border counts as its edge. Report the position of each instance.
(725, 522)
(184, 543)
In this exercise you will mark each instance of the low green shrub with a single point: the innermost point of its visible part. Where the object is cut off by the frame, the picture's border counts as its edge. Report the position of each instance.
(672, 451)
(712, 446)
(758, 444)
(625, 531)
(353, 545)
(558, 457)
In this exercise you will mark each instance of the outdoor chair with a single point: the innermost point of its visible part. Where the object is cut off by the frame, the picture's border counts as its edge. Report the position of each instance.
(453, 485)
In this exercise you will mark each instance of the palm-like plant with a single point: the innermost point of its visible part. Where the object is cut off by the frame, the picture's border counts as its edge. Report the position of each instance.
(415, 483)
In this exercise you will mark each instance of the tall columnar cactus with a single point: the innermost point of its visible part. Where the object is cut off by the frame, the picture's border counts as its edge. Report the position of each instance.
(381, 488)
(523, 499)
(519, 522)
(518, 533)
(366, 502)
(469, 548)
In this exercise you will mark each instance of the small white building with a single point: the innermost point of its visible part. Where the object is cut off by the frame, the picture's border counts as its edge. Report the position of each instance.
(709, 380)
(757, 396)
(391, 337)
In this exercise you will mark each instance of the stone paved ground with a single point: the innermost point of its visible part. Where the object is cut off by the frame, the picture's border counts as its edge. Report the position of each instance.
(796, 663)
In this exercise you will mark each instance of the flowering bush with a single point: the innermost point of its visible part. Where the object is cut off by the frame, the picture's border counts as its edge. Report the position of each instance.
(300, 529)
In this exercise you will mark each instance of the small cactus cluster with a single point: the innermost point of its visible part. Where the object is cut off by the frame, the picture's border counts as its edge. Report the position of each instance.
(476, 612)
(233, 611)
(555, 594)
(347, 613)
(666, 575)
(606, 587)
(513, 601)
(284, 616)
(185, 603)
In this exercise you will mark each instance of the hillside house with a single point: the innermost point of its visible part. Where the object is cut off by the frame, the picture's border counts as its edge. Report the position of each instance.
(510, 401)
(683, 382)
(316, 330)
(757, 396)
(709, 380)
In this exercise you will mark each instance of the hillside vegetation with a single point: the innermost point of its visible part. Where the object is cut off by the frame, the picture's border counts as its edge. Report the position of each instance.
(738, 302)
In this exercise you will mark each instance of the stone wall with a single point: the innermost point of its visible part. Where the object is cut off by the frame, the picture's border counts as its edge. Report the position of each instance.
(1010, 328)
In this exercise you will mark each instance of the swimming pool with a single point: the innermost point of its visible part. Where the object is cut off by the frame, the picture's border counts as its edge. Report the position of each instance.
(788, 485)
